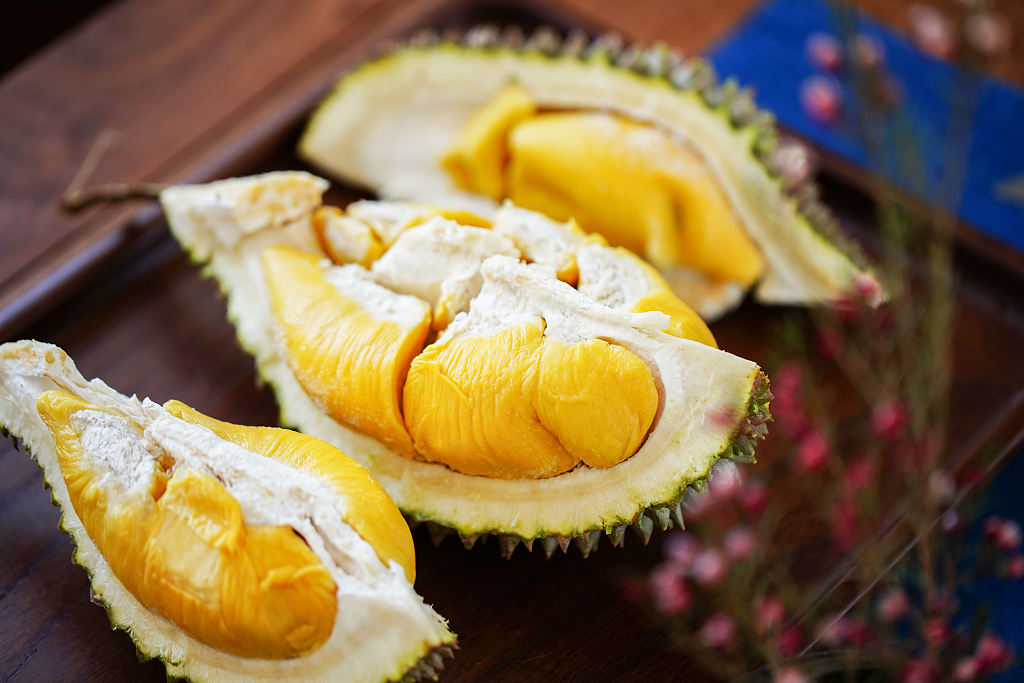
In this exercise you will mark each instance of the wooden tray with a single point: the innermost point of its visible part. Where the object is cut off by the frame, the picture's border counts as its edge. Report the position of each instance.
(143, 319)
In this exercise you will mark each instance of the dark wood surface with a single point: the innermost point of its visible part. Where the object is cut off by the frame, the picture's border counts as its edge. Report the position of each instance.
(205, 89)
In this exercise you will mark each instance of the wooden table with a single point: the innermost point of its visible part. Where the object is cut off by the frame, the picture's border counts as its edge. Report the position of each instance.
(196, 90)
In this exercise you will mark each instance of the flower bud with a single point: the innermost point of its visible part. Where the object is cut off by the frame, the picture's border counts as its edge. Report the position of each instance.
(718, 630)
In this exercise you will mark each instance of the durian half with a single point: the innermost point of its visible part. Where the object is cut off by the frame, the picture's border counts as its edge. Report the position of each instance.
(634, 143)
(230, 553)
(524, 380)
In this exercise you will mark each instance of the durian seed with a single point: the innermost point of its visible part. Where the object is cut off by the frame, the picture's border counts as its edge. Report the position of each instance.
(664, 519)
(549, 543)
(545, 39)
(468, 540)
(511, 37)
(563, 542)
(508, 545)
(643, 526)
(575, 44)
(438, 532)
(425, 38)
(482, 36)
(617, 535)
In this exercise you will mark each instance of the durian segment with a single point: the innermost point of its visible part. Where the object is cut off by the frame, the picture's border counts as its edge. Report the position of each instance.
(477, 159)
(634, 184)
(613, 277)
(178, 543)
(707, 395)
(382, 630)
(348, 341)
(346, 239)
(368, 509)
(513, 403)
(439, 262)
(422, 99)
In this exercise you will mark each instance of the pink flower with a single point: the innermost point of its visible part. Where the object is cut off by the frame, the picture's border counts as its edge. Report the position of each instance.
(709, 567)
(1015, 567)
(868, 288)
(965, 670)
(893, 605)
(794, 162)
(813, 451)
(821, 99)
(752, 497)
(932, 32)
(888, 418)
(858, 474)
(824, 52)
(868, 51)
(739, 543)
(790, 674)
(941, 487)
(787, 408)
(936, 631)
(790, 641)
(1009, 535)
(950, 520)
(770, 614)
(993, 654)
(834, 630)
(671, 595)
(682, 549)
(718, 630)
(917, 671)
(725, 483)
(987, 33)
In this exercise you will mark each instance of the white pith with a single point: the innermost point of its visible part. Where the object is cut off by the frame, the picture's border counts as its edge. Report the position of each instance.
(706, 394)
(382, 626)
(388, 124)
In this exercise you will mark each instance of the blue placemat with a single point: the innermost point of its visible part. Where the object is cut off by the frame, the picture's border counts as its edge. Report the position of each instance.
(768, 52)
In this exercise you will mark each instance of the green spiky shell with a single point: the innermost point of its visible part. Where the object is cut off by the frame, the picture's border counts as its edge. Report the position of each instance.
(736, 139)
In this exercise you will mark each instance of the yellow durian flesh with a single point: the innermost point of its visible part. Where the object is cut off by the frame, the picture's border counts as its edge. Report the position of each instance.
(345, 239)
(368, 509)
(348, 360)
(516, 404)
(181, 547)
(629, 181)
(477, 161)
(635, 185)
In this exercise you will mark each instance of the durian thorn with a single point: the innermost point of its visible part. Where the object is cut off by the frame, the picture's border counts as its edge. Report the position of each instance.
(563, 542)
(617, 535)
(644, 527)
(549, 544)
(508, 545)
(528, 542)
(468, 540)
(438, 532)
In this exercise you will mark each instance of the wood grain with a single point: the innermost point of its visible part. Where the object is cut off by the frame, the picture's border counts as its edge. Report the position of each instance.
(201, 89)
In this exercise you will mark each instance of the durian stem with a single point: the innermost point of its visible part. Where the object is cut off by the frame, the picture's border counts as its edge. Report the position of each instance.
(73, 200)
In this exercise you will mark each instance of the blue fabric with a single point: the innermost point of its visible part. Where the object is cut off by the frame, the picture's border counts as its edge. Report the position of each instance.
(768, 51)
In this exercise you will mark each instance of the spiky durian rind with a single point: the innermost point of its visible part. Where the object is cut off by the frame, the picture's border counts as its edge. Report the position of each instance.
(422, 667)
(665, 514)
(657, 65)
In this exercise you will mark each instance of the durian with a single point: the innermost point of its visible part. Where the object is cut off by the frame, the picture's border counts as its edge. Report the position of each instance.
(636, 144)
(230, 553)
(523, 379)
